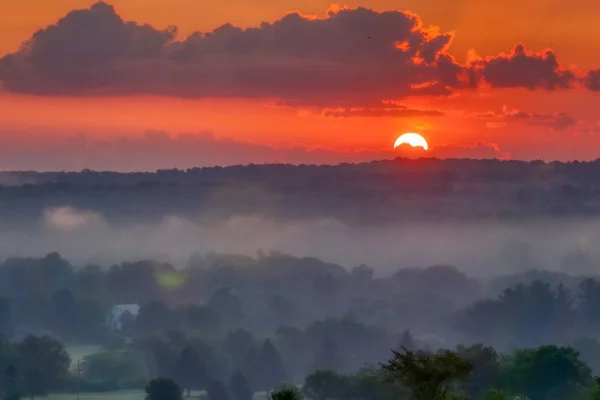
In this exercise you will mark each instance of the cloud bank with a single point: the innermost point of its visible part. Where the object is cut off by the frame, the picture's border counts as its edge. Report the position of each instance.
(350, 58)
(556, 121)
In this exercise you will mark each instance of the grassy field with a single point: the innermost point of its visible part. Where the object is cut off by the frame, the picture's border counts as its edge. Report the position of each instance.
(80, 351)
(120, 395)
(124, 395)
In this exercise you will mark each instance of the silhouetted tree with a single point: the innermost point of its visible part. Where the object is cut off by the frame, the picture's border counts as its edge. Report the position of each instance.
(46, 363)
(164, 357)
(217, 390)
(10, 384)
(485, 372)
(589, 299)
(34, 382)
(240, 387)
(236, 346)
(325, 385)
(272, 371)
(189, 371)
(589, 350)
(6, 318)
(564, 311)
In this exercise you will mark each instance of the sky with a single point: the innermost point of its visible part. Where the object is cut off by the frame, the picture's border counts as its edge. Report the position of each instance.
(147, 84)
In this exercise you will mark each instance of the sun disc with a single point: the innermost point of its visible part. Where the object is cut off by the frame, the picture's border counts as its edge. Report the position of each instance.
(412, 139)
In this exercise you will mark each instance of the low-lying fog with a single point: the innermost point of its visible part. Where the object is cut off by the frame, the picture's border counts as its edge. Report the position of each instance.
(479, 249)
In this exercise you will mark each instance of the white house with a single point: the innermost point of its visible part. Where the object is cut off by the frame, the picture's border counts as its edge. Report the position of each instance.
(115, 314)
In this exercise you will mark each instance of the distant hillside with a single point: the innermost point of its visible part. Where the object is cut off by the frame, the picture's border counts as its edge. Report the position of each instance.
(375, 192)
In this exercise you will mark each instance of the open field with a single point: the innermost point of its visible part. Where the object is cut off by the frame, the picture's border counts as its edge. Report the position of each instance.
(79, 351)
(125, 395)
(119, 395)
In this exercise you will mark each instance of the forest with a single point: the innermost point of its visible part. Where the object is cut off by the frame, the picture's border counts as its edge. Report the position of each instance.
(357, 194)
(231, 326)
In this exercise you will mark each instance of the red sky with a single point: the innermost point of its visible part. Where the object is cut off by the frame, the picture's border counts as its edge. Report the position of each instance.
(111, 86)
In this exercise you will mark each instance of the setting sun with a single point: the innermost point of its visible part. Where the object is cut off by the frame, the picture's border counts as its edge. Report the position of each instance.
(412, 139)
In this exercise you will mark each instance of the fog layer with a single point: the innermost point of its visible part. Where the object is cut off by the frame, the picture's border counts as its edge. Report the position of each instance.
(479, 248)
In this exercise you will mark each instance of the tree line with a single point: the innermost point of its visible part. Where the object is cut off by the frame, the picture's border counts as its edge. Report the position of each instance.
(37, 366)
(468, 372)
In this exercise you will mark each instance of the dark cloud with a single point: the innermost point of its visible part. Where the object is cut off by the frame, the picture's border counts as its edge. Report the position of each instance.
(523, 69)
(350, 58)
(399, 110)
(591, 80)
(86, 51)
(556, 121)
(479, 150)
(563, 121)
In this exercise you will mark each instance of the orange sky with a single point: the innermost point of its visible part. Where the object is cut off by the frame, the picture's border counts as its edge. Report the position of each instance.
(569, 29)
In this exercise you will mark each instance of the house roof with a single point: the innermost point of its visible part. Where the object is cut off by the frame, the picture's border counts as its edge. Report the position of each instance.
(134, 309)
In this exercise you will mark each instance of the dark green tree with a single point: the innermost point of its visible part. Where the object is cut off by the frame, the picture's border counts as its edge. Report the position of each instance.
(589, 350)
(286, 393)
(163, 389)
(595, 395)
(495, 394)
(546, 372)
(45, 361)
(427, 376)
